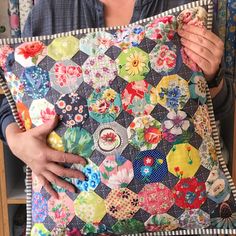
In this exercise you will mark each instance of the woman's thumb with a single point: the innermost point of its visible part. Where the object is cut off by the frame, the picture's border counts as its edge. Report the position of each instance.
(46, 128)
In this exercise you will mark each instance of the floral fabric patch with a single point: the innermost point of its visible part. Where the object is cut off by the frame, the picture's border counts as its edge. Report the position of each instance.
(72, 109)
(39, 230)
(156, 198)
(99, 71)
(150, 166)
(15, 85)
(96, 43)
(164, 59)
(92, 175)
(183, 160)
(129, 37)
(122, 203)
(41, 111)
(136, 98)
(111, 138)
(55, 141)
(128, 226)
(116, 172)
(30, 53)
(172, 92)
(66, 76)
(161, 222)
(189, 193)
(24, 115)
(161, 29)
(194, 219)
(144, 133)
(133, 64)
(104, 106)
(40, 208)
(61, 210)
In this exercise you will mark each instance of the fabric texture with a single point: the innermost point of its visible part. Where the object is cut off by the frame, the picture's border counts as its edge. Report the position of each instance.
(140, 112)
(62, 16)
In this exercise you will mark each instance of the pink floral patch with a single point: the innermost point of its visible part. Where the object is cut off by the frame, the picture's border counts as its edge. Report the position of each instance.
(156, 198)
(116, 172)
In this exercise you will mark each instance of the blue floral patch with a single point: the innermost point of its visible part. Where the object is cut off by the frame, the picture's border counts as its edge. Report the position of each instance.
(39, 208)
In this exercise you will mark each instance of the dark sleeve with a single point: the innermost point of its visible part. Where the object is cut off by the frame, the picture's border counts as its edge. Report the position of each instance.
(6, 117)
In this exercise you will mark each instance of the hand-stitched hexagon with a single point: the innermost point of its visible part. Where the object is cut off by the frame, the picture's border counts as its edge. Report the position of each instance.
(110, 138)
(66, 76)
(55, 141)
(15, 85)
(89, 207)
(189, 193)
(30, 53)
(122, 203)
(41, 111)
(104, 105)
(172, 92)
(116, 171)
(129, 226)
(194, 219)
(183, 160)
(78, 141)
(96, 43)
(24, 115)
(161, 222)
(72, 109)
(164, 59)
(208, 154)
(136, 98)
(217, 186)
(63, 48)
(99, 71)
(202, 122)
(176, 127)
(144, 132)
(198, 87)
(92, 174)
(39, 229)
(129, 37)
(39, 207)
(161, 29)
(35, 81)
(150, 166)
(61, 210)
(156, 198)
(133, 64)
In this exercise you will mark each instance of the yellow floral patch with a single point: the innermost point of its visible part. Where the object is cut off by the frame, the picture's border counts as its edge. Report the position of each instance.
(183, 160)
(55, 142)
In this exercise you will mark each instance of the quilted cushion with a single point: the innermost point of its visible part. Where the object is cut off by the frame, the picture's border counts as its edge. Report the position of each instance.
(138, 109)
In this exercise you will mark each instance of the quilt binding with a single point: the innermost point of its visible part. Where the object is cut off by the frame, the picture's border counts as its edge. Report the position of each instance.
(215, 135)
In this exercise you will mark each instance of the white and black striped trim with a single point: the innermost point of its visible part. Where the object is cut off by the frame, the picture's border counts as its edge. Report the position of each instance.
(208, 3)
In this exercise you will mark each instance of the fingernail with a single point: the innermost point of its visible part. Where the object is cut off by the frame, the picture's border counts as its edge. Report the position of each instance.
(184, 27)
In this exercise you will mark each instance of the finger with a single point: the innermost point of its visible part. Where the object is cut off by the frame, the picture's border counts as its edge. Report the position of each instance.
(197, 49)
(65, 172)
(207, 34)
(52, 178)
(201, 62)
(63, 157)
(45, 128)
(202, 42)
(48, 187)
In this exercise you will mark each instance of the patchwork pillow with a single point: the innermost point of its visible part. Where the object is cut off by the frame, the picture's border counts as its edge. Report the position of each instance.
(138, 109)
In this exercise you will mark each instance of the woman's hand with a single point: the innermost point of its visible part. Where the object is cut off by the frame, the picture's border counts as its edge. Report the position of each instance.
(203, 47)
(31, 147)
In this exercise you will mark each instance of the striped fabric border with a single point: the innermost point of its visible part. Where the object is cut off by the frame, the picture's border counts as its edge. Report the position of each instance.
(209, 3)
